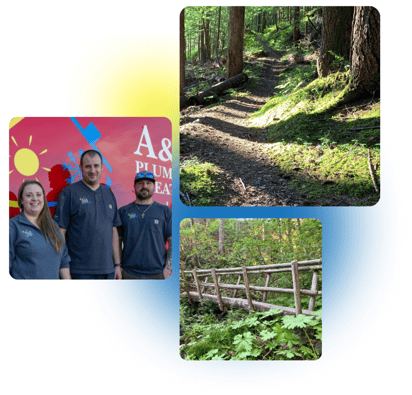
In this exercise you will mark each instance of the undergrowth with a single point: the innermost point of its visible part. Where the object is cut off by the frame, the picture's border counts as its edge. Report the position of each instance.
(240, 336)
(199, 179)
(328, 150)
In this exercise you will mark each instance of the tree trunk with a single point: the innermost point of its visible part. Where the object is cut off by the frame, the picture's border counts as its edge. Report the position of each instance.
(221, 236)
(306, 23)
(218, 34)
(336, 34)
(263, 21)
(182, 51)
(235, 47)
(206, 28)
(296, 29)
(365, 53)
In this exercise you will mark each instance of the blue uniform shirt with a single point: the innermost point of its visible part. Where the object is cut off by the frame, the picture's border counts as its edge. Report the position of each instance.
(145, 238)
(32, 256)
(89, 217)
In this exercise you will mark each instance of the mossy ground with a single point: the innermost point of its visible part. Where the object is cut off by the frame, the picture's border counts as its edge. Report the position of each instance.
(323, 148)
(202, 178)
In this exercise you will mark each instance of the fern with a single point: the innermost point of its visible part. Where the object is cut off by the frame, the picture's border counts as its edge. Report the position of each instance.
(300, 321)
(243, 342)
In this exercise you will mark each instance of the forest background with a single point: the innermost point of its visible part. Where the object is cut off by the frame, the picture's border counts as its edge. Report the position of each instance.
(210, 334)
(313, 135)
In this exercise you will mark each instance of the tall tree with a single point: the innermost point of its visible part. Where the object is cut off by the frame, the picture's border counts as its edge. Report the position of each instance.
(182, 51)
(365, 54)
(218, 34)
(221, 236)
(336, 36)
(206, 29)
(296, 29)
(235, 45)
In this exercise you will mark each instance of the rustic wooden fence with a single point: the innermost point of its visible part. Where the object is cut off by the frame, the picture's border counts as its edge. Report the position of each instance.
(192, 279)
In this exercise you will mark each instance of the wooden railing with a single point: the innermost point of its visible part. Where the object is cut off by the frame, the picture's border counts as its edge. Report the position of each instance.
(244, 272)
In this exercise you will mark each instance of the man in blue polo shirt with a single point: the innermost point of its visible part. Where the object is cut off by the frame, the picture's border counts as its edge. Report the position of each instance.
(87, 215)
(146, 227)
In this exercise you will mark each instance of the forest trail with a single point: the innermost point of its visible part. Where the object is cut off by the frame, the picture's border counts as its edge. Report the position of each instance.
(222, 135)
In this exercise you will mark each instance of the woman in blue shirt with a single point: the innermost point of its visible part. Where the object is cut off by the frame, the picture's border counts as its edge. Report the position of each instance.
(37, 248)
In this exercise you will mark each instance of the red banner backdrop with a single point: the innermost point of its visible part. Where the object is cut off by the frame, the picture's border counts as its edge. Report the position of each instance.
(49, 150)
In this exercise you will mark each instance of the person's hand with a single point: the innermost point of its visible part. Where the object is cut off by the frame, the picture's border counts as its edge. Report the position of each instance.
(166, 272)
(117, 273)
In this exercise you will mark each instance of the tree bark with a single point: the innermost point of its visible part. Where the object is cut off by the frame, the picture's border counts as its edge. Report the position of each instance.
(235, 47)
(365, 53)
(221, 236)
(182, 51)
(218, 34)
(336, 36)
(296, 29)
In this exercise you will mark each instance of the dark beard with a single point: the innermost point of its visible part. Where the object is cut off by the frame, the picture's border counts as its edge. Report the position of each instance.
(144, 195)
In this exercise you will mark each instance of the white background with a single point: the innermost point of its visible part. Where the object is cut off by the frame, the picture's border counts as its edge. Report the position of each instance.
(111, 337)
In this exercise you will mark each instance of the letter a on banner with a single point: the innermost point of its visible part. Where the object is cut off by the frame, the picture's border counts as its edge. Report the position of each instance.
(148, 144)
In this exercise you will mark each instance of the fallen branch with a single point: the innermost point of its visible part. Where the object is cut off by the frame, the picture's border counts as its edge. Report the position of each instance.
(371, 171)
(316, 30)
(185, 197)
(242, 184)
(368, 127)
(217, 89)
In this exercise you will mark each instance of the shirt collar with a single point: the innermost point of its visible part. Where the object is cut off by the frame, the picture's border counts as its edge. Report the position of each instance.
(23, 220)
(88, 188)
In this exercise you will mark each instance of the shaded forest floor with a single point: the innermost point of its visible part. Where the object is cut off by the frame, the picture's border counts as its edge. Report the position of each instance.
(221, 135)
(245, 173)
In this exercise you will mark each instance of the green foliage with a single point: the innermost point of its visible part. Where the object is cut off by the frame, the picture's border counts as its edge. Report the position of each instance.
(258, 336)
(199, 177)
(327, 145)
(300, 321)
(250, 243)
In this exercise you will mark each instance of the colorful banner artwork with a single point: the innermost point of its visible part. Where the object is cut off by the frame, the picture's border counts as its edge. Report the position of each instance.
(49, 150)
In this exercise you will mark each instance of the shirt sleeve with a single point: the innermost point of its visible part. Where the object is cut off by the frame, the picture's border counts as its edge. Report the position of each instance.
(65, 258)
(116, 221)
(65, 261)
(12, 238)
(120, 228)
(62, 215)
(168, 222)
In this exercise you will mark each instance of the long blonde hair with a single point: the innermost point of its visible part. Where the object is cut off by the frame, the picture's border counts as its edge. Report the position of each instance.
(46, 224)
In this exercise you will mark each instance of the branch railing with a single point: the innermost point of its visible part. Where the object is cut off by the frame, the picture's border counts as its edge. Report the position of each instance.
(244, 272)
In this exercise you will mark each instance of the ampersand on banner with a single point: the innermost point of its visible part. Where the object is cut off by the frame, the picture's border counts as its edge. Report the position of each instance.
(166, 145)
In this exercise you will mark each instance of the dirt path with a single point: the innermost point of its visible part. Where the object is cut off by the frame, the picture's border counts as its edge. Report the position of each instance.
(221, 135)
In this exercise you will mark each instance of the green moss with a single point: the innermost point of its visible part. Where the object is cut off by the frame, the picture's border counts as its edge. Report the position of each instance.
(199, 180)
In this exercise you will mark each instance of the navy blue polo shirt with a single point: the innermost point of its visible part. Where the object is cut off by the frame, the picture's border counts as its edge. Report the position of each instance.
(31, 255)
(89, 217)
(145, 238)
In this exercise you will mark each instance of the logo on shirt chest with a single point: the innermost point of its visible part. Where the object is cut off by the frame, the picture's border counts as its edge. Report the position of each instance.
(85, 200)
(131, 216)
(28, 233)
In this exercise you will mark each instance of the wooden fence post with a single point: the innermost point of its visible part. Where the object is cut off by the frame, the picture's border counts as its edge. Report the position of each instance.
(199, 291)
(219, 298)
(203, 288)
(187, 290)
(249, 297)
(266, 285)
(313, 288)
(218, 280)
(238, 282)
(296, 287)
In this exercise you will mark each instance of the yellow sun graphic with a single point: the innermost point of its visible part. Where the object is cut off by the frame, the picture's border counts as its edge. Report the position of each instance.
(26, 161)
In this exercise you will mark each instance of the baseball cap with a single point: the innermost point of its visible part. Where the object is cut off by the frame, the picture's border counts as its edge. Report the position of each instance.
(144, 175)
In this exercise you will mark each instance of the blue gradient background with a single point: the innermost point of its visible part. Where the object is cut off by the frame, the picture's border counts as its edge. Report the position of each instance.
(93, 59)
